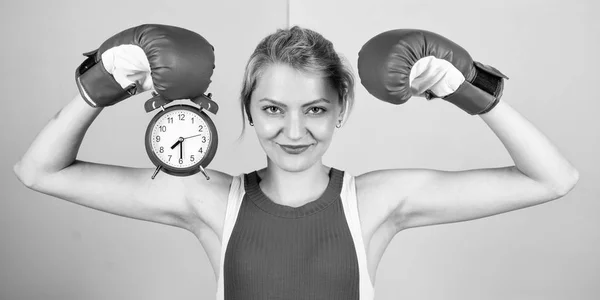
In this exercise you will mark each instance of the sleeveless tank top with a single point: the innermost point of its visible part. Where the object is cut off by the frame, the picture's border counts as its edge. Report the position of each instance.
(311, 252)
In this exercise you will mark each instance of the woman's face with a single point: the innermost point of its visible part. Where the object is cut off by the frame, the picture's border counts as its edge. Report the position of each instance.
(294, 115)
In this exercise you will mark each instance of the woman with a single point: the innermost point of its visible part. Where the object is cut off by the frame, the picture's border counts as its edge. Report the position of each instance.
(298, 229)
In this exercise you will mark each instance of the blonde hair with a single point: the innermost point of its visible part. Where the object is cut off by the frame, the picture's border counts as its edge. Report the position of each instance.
(303, 50)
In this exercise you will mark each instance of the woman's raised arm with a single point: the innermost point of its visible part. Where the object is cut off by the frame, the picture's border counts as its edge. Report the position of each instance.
(423, 197)
(426, 64)
(50, 166)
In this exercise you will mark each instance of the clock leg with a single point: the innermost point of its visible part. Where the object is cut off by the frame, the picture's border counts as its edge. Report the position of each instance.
(204, 172)
(156, 171)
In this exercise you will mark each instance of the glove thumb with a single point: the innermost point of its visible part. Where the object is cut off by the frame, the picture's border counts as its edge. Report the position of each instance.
(128, 64)
(438, 76)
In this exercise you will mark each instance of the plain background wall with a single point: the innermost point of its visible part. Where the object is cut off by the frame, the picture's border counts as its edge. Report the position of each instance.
(52, 249)
(549, 50)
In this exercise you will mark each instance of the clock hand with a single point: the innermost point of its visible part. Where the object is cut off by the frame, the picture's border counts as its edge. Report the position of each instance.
(192, 136)
(181, 150)
(179, 141)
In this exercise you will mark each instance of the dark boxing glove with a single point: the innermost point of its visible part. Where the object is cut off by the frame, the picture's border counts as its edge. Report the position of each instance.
(398, 64)
(174, 62)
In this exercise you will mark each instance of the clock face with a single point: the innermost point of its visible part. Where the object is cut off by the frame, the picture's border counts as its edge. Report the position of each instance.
(180, 138)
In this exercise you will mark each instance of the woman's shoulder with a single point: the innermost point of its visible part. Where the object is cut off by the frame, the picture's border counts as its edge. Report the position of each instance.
(385, 181)
(208, 197)
(216, 186)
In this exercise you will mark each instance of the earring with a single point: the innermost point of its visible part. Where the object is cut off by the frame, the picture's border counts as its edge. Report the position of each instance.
(251, 124)
(339, 124)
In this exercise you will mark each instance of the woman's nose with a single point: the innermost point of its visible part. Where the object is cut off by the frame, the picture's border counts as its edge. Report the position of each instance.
(295, 127)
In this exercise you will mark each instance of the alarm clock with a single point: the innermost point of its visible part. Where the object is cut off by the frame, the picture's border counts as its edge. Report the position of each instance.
(181, 139)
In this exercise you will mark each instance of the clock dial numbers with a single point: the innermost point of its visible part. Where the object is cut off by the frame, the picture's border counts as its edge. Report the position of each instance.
(180, 138)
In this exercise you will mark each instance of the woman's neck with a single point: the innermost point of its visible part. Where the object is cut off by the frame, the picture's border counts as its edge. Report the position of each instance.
(294, 188)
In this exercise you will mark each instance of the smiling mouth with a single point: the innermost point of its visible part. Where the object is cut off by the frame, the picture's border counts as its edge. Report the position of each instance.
(294, 149)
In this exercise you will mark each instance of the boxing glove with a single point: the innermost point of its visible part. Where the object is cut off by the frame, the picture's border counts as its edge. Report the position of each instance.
(398, 64)
(174, 62)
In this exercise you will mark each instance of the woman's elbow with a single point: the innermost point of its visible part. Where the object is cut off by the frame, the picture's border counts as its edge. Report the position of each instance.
(26, 176)
(565, 185)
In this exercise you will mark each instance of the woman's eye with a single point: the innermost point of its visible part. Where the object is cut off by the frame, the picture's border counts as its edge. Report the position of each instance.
(272, 109)
(316, 110)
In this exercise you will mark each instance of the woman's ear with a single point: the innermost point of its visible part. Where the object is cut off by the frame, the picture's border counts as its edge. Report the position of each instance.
(246, 106)
(344, 111)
